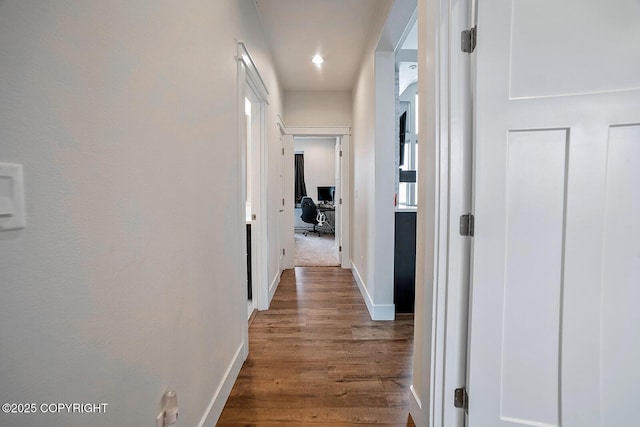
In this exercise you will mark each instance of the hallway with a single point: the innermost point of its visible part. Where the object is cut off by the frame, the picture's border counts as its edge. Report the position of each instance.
(317, 358)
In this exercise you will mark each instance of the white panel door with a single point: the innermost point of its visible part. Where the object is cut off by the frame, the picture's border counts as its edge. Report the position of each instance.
(336, 201)
(554, 319)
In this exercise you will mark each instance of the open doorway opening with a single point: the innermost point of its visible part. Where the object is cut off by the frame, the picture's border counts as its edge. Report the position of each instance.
(406, 69)
(252, 202)
(252, 105)
(316, 177)
(336, 176)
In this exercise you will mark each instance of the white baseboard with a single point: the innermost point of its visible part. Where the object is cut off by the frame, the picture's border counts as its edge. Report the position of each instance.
(415, 409)
(214, 410)
(376, 311)
(274, 286)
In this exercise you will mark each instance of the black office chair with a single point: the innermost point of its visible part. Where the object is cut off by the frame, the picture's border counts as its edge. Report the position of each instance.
(309, 213)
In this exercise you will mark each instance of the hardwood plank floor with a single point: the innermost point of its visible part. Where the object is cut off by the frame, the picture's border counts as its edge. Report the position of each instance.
(316, 358)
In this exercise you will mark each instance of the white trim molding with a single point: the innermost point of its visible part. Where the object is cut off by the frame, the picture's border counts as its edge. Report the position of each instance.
(415, 408)
(318, 130)
(253, 75)
(274, 286)
(442, 255)
(250, 82)
(220, 396)
(376, 311)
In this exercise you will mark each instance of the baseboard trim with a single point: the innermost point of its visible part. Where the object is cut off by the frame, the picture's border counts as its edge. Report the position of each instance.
(415, 408)
(214, 410)
(273, 287)
(376, 311)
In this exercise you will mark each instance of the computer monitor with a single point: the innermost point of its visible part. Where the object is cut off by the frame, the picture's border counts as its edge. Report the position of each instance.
(325, 194)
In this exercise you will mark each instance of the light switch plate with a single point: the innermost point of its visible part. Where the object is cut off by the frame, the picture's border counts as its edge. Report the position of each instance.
(12, 209)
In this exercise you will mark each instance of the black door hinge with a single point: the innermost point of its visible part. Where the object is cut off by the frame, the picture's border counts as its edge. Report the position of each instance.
(467, 225)
(468, 40)
(461, 399)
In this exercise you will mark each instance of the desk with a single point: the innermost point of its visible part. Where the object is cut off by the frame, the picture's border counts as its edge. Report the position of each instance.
(326, 208)
(330, 212)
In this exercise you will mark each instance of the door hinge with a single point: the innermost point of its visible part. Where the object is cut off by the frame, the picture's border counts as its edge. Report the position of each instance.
(468, 40)
(461, 399)
(340, 200)
(282, 202)
(283, 251)
(467, 225)
(254, 217)
(283, 151)
(339, 248)
(340, 153)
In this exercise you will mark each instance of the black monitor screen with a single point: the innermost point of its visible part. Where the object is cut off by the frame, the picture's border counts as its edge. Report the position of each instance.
(325, 194)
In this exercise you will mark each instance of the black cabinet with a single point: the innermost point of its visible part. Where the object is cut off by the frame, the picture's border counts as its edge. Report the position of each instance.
(404, 262)
(249, 292)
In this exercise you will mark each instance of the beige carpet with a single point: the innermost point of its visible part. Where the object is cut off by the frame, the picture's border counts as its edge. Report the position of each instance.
(315, 251)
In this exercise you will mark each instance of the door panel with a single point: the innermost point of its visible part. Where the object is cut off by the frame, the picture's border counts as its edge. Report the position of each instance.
(556, 257)
(557, 48)
(621, 276)
(533, 275)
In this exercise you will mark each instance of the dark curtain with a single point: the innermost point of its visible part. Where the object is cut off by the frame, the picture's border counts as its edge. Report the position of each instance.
(301, 188)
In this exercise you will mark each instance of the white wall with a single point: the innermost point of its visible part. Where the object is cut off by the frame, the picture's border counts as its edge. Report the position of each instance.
(317, 108)
(319, 163)
(127, 280)
(363, 167)
(374, 164)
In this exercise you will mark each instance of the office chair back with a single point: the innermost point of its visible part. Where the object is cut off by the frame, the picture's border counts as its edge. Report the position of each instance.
(309, 211)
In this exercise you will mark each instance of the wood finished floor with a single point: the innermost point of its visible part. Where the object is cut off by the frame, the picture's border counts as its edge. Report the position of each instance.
(316, 358)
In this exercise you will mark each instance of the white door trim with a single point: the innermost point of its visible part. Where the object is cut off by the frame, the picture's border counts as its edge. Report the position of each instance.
(444, 193)
(344, 134)
(249, 79)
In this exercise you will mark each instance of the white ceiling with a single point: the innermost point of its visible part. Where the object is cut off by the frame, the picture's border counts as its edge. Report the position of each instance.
(299, 29)
(411, 42)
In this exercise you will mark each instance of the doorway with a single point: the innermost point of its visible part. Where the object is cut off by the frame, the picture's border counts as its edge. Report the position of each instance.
(252, 160)
(315, 177)
(334, 191)
(252, 207)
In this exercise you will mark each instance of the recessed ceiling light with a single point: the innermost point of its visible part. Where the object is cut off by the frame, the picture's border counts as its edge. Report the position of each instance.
(317, 60)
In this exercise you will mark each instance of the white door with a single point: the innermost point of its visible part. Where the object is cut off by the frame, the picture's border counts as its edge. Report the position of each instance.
(554, 323)
(281, 203)
(336, 201)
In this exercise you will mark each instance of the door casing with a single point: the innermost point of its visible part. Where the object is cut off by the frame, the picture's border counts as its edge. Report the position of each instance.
(344, 134)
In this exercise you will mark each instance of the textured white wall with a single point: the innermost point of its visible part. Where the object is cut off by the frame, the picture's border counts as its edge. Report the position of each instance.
(319, 163)
(317, 108)
(127, 280)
